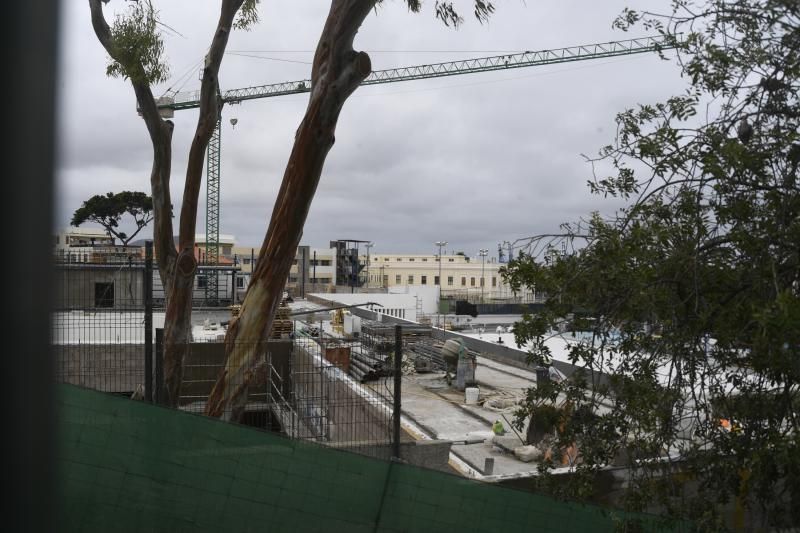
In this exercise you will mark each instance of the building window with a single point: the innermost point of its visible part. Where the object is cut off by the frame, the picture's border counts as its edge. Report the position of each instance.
(240, 283)
(385, 258)
(435, 280)
(104, 294)
(385, 280)
(411, 279)
(399, 259)
(494, 281)
(246, 260)
(450, 280)
(463, 282)
(202, 281)
(424, 280)
(471, 282)
(397, 279)
(482, 280)
(424, 259)
(411, 259)
(451, 260)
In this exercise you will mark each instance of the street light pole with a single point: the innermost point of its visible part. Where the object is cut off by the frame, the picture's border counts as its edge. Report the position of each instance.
(483, 252)
(440, 244)
(368, 246)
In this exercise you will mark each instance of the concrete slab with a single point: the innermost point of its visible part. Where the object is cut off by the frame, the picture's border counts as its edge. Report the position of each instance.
(441, 410)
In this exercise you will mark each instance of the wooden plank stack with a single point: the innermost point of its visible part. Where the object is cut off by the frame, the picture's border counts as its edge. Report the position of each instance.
(283, 325)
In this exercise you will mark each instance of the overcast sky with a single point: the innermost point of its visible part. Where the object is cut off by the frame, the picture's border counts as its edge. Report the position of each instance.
(474, 160)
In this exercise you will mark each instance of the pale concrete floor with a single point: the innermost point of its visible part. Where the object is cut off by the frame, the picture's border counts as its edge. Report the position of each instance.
(441, 411)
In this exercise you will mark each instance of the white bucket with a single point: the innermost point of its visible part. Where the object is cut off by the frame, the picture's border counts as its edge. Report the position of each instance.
(471, 395)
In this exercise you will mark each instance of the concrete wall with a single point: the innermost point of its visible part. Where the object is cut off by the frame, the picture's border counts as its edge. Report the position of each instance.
(76, 287)
(202, 368)
(328, 405)
(512, 356)
(426, 295)
(431, 454)
(117, 368)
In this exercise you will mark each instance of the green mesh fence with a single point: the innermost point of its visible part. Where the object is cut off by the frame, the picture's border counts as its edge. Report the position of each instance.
(129, 466)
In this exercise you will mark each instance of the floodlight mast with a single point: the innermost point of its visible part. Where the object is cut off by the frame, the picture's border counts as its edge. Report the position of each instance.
(190, 100)
(483, 252)
(440, 244)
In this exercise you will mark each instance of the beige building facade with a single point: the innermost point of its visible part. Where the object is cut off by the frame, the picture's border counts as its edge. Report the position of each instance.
(458, 276)
(313, 269)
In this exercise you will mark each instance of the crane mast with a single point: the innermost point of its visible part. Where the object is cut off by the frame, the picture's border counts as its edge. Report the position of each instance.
(191, 100)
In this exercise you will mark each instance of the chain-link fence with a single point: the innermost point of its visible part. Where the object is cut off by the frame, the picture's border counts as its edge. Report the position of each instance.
(102, 324)
(307, 385)
(107, 333)
(327, 382)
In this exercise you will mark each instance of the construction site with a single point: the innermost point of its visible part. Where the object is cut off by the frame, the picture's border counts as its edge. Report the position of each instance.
(390, 382)
(335, 374)
(251, 319)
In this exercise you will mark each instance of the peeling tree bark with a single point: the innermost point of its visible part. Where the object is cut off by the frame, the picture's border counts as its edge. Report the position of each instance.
(178, 316)
(176, 268)
(337, 71)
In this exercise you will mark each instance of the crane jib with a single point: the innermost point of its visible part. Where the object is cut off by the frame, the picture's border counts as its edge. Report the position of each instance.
(191, 100)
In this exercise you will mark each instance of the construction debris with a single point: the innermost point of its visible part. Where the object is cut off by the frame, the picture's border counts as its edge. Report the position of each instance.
(528, 453)
(282, 326)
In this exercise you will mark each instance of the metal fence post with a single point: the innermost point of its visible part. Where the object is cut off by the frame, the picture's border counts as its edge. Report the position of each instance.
(398, 377)
(159, 383)
(147, 289)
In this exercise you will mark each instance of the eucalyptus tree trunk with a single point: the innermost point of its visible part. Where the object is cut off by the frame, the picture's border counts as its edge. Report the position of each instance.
(178, 316)
(337, 71)
(177, 268)
(160, 132)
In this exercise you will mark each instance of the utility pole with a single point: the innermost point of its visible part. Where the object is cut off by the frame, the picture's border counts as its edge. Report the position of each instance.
(440, 244)
(483, 252)
(305, 273)
(368, 246)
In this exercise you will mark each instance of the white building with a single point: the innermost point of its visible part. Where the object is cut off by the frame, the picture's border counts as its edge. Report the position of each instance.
(402, 305)
(91, 245)
(313, 269)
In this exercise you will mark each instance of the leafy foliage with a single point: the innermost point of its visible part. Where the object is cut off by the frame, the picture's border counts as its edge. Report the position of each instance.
(137, 46)
(689, 299)
(449, 15)
(248, 15)
(108, 210)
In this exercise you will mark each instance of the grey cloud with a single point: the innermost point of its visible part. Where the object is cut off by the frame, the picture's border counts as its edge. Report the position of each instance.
(471, 159)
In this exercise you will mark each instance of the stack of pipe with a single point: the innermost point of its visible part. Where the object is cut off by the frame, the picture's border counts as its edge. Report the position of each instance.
(366, 366)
